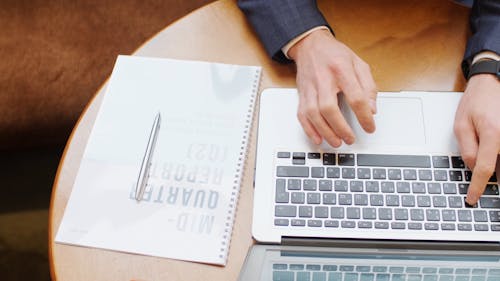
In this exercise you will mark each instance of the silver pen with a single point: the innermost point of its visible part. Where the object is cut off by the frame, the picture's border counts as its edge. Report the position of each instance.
(142, 180)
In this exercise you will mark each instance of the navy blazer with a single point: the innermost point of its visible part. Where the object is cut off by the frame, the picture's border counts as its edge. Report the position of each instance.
(279, 21)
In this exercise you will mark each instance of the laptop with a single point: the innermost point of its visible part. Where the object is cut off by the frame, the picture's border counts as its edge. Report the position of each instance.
(389, 207)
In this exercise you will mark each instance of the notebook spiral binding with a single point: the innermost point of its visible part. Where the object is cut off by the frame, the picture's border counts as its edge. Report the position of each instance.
(238, 175)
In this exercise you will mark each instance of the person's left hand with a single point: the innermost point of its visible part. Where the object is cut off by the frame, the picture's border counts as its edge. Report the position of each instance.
(477, 128)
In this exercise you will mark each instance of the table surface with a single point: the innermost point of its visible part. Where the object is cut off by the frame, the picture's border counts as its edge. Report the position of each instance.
(410, 45)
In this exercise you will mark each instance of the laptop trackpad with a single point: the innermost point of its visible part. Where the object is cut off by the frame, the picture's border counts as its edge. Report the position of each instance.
(399, 121)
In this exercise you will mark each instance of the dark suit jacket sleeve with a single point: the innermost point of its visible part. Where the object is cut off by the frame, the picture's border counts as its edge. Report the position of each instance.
(279, 21)
(485, 26)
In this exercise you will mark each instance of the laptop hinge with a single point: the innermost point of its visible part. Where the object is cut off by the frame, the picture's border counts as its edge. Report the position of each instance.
(391, 244)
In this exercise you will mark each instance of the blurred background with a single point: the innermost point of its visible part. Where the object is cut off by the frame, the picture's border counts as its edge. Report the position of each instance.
(54, 56)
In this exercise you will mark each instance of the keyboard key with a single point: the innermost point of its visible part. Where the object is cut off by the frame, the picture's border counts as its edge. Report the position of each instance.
(457, 162)
(455, 202)
(447, 226)
(462, 188)
(305, 212)
(431, 226)
(363, 277)
(480, 227)
(392, 200)
(314, 223)
(387, 187)
(294, 184)
(348, 224)
(441, 175)
(372, 186)
(381, 225)
(283, 276)
(364, 173)
(296, 266)
(291, 171)
(480, 216)
(418, 187)
(360, 199)
(464, 227)
(449, 188)
(495, 227)
(356, 186)
(464, 215)
(283, 154)
(321, 212)
(410, 174)
(329, 159)
(408, 201)
(376, 200)
(403, 187)
(417, 214)
(348, 173)
(448, 215)
(319, 276)
(317, 172)
(401, 214)
(491, 189)
(297, 222)
(440, 161)
(310, 185)
(363, 268)
(353, 213)
(341, 185)
(385, 214)
(330, 223)
(345, 199)
(432, 215)
(394, 174)
(281, 222)
(379, 174)
(313, 155)
(329, 198)
(425, 175)
(280, 266)
(456, 175)
(313, 198)
(369, 213)
(434, 188)
(489, 202)
(398, 225)
(346, 268)
(299, 155)
(281, 195)
(333, 172)
(298, 197)
(347, 159)
(313, 267)
(415, 226)
(467, 175)
(325, 185)
(439, 201)
(423, 201)
(494, 216)
(387, 160)
(337, 212)
(285, 211)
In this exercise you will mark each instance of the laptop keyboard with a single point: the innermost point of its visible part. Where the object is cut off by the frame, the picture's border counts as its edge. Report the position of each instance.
(380, 191)
(348, 272)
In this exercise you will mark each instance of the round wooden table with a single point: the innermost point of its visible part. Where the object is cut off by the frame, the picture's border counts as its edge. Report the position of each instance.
(410, 45)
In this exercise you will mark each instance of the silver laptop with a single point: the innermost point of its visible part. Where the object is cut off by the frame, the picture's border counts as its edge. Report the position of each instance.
(402, 187)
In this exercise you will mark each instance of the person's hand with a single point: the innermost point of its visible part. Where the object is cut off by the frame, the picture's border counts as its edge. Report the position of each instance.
(325, 68)
(477, 128)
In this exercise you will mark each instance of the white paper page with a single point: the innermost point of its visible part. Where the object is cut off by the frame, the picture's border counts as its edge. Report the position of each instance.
(188, 208)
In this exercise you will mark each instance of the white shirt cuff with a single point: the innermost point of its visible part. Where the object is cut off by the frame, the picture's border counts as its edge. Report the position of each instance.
(486, 55)
(294, 41)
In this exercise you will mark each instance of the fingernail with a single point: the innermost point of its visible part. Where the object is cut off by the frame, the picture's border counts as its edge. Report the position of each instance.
(373, 105)
(471, 200)
(317, 140)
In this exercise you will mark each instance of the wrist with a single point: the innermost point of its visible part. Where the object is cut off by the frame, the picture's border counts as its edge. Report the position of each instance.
(308, 42)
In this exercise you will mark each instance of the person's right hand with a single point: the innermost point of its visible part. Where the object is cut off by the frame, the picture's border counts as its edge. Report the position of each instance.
(325, 68)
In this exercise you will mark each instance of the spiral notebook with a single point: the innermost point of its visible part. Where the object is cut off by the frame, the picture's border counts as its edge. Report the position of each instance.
(187, 210)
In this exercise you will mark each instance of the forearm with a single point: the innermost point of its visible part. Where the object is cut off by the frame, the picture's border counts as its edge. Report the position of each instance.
(277, 22)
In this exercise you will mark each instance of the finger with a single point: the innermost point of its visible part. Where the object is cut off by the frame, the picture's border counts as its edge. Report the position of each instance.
(318, 123)
(304, 122)
(365, 78)
(330, 110)
(467, 140)
(497, 170)
(485, 165)
(357, 99)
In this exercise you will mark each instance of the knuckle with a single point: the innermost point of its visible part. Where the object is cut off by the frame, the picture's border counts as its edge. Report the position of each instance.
(326, 108)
